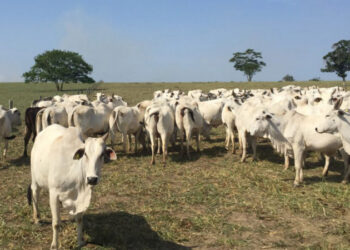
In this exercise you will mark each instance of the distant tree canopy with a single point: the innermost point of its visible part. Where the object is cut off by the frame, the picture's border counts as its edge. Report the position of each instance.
(315, 79)
(59, 67)
(288, 78)
(338, 60)
(249, 62)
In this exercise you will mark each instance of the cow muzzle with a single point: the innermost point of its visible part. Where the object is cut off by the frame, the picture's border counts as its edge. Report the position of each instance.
(92, 180)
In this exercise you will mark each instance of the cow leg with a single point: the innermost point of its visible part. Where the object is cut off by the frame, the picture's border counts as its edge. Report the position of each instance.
(55, 212)
(197, 141)
(113, 137)
(153, 147)
(253, 141)
(35, 200)
(188, 140)
(286, 161)
(298, 162)
(345, 157)
(165, 140)
(326, 165)
(181, 142)
(137, 135)
(233, 141)
(124, 138)
(79, 220)
(159, 145)
(244, 146)
(6, 144)
(173, 137)
(28, 133)
(130, 140)
(227, 139)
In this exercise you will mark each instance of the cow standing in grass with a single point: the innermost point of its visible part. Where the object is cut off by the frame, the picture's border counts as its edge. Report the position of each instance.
(9, 118)
(68, 166)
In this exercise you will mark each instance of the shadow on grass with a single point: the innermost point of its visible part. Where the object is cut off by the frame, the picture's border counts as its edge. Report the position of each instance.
(266, 152)
(330, 178)
(121, 230)
(21, 161)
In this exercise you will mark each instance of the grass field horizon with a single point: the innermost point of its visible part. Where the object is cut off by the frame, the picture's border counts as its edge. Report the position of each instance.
(210, 202)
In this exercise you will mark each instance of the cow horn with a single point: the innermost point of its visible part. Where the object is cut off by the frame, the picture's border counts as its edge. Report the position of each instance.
(105, 136)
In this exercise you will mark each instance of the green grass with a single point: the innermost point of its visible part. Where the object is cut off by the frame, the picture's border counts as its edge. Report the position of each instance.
(213, 201)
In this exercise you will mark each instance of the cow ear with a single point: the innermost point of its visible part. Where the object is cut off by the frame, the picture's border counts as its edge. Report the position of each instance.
(109, 154)
(341, 112)
(79, 154)
(338, 103)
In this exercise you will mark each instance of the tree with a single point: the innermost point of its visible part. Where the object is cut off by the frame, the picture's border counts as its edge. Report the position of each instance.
(248, 62)
(338, 60)
(59, 67)
(315, 79)
(288, 78)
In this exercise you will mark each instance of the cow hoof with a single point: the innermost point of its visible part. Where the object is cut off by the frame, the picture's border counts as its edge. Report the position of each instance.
(344, 182)
(325, 174)
(295, 185)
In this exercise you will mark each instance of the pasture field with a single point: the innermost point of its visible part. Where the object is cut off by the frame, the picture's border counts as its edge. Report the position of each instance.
(210, 202)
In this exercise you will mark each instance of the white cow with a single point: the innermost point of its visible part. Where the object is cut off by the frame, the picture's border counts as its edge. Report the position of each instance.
(8, 120)
(159, 122)
(68, 166)
(56, 114)
(297, 132)
(190, 121)
(228, 117)
(337, 121)
(93, 120)
(127, 121)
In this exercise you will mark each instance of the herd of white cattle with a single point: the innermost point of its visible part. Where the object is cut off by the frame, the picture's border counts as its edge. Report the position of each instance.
(66, 157)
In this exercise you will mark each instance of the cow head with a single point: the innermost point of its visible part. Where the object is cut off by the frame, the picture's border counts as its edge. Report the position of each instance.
(15, 117)
(331, 121)
(93, 155)
(260, 123)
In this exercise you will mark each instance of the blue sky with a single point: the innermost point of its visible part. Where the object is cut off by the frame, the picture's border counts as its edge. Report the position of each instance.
(178, 40)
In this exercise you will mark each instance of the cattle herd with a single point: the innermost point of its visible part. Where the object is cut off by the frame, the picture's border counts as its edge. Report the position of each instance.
(69, 133)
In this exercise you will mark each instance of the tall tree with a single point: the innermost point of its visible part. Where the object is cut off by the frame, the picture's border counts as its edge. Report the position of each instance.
(59, 67)
(288, 78)
(338, 60)
(249, 62)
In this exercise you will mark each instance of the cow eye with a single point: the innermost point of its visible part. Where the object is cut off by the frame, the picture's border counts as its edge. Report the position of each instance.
(327, 116)
(257, 119)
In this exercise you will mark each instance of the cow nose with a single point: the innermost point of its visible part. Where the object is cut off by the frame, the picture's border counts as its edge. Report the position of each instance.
(92, 180)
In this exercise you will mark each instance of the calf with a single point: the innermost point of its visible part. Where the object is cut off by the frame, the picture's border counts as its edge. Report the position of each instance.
(68, 166)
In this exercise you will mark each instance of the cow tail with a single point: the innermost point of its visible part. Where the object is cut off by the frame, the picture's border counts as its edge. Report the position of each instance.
(49, 118)
(156, 118)
(155, 115)
(116, 120)
(190, 111)
(114, 117)
(29, 195)
(71, 120)
(38, 120)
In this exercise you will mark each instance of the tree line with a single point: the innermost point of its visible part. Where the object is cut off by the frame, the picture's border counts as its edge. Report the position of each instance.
(60, 67)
